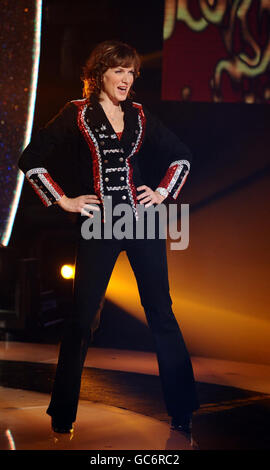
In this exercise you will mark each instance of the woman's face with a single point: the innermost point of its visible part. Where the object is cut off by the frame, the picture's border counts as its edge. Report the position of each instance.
(117, 82)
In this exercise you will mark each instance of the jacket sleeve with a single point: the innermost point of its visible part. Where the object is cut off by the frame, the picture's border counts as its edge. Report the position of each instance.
(43, 145)
(175, 156)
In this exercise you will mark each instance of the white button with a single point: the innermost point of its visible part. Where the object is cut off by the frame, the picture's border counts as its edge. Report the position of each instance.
(124, 197)
(106, 179)
(122, 178)
(121, 159)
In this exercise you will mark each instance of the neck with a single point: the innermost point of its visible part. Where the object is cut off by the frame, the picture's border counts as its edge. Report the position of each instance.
(112, 106)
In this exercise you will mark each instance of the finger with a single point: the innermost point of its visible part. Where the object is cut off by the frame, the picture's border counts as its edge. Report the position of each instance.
(147, 199)
(91, 198)
(143, 195)
(142, 187)
(149, 204)
(88, 214)
(91, 207)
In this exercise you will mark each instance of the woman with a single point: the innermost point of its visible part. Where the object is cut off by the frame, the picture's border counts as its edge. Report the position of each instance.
(107, 147)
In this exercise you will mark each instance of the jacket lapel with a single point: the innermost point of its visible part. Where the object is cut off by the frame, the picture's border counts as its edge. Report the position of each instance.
(131, 127)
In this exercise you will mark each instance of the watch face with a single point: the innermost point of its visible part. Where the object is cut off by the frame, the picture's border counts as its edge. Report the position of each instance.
(163, 191)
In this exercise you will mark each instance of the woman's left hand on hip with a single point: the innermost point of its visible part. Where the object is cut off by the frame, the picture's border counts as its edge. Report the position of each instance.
(149, 196)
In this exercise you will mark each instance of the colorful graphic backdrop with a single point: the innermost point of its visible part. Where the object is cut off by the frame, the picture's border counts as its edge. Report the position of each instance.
(216, 51)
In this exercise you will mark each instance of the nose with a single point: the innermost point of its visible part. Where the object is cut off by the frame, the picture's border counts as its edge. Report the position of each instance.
(127, 78)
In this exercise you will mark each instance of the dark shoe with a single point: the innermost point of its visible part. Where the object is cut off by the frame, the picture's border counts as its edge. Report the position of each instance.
(63, 428)
(183, 424)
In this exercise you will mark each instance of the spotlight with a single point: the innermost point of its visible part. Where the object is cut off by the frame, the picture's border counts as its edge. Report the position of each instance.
(68, 271)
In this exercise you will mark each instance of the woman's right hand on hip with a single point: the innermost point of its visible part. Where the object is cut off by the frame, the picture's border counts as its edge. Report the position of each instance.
(80, 204)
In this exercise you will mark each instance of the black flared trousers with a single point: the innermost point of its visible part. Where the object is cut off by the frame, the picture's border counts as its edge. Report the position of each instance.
(95, 261)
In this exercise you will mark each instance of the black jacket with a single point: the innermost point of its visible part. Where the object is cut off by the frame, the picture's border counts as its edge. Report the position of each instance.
(78, 152)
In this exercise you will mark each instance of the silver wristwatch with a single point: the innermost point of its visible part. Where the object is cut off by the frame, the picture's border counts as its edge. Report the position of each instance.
(163, 192)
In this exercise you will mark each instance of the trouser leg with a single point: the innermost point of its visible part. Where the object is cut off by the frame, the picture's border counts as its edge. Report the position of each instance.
(148, 259)
(94, 264)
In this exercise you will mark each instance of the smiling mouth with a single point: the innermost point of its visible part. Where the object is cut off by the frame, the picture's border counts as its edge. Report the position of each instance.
(122, 89)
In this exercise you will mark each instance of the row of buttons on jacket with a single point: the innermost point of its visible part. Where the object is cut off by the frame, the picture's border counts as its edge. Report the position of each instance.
(120, 160)
(122, 178)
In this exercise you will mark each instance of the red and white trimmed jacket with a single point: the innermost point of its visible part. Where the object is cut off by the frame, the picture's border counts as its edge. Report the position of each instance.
(78, 152)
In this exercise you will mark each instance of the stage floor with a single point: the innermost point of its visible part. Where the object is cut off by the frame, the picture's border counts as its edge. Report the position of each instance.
(25, 426)
(217, 371)
(121, 404)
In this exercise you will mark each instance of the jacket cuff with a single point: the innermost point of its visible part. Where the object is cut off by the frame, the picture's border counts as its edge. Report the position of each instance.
(45, 187)
(174, 178)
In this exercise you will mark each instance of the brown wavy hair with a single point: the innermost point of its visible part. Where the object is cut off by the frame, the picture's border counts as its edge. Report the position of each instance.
(107, 54)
